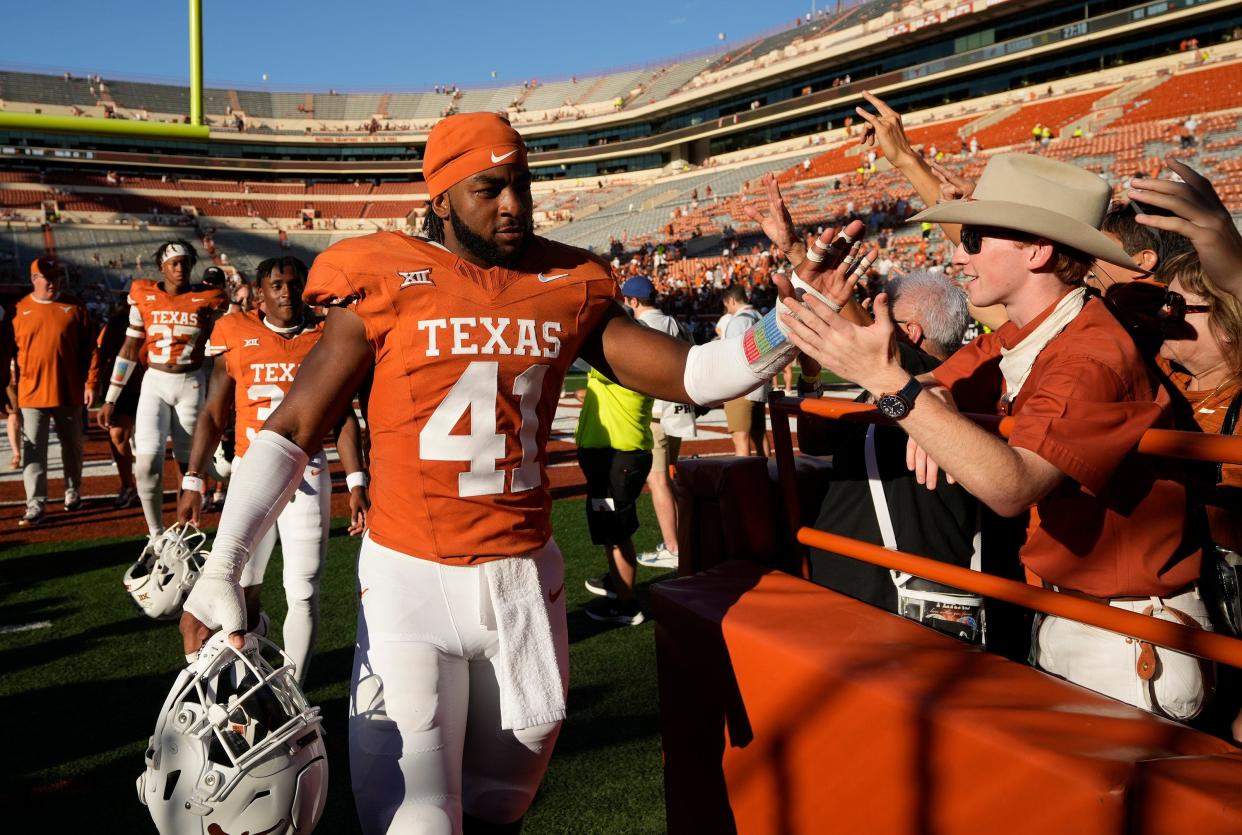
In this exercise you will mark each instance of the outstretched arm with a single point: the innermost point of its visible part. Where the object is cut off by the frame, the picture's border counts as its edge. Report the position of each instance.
(1199, 214)
(656, 364)
(1007, 479)
(885, 130)
(638, 358)
(273, 467)
(776, 222)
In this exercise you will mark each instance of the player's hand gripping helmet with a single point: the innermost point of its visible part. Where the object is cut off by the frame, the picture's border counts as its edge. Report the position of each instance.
(236, 748)
(161, 579)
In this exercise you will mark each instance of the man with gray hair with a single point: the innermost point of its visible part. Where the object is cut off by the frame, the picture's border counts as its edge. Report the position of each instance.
(930, 312)
(874, 498)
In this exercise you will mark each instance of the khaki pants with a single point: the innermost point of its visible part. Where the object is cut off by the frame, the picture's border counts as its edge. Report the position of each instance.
(664, 448)
(1106, 662)
(35, 425)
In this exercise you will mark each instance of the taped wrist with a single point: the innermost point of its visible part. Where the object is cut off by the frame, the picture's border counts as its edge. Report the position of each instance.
(729, 368)
(801, 288)
(356, 479)
(122, 370)
(258, 492)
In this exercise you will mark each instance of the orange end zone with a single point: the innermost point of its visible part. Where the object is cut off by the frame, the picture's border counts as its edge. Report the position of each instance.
(788, 708)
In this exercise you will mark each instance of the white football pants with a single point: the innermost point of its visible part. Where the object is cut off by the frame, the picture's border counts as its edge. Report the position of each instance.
(167, 404)
(303, 530)
(425, 741)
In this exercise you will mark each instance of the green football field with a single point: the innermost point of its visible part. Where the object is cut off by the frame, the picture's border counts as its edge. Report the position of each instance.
(80, 697)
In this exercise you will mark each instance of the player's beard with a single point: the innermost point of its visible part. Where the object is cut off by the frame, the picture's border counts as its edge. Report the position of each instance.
(482, 248)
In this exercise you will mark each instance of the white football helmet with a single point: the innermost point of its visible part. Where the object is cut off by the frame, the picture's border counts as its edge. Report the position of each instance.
(161, 579)
(236, 748)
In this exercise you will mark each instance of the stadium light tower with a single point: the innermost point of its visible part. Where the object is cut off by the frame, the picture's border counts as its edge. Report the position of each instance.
(196, 62)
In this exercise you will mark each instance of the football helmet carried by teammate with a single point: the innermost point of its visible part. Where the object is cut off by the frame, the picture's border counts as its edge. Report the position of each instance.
(236, 747)
(161, 579)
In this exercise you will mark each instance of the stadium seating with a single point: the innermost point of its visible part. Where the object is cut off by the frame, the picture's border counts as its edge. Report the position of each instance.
(1054, 113)
(1188, 93)
(22, 86)
(666, 81)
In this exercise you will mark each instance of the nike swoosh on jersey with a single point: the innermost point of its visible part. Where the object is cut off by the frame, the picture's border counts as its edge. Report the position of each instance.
(552, 595)
(502, 157)
(546, 278)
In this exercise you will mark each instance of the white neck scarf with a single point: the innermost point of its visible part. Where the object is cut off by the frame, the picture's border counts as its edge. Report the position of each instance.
(1016, 362)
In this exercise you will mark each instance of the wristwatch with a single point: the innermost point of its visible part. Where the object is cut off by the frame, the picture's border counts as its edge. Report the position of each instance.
(897, 406)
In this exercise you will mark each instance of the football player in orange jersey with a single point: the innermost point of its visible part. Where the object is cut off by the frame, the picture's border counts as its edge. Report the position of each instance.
(257, 358)
(171, 318)
(460, 669)
(121, 423)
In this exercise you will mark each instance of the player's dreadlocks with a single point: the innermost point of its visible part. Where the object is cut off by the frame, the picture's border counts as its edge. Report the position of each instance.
(433, 227)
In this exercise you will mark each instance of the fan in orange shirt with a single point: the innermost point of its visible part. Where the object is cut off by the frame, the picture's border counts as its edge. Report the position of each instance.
(257, 359)
(169, 319)
(469, 332)
(51, 345)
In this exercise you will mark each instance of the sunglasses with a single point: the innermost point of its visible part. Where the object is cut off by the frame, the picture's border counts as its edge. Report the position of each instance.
(972, 237)
(1175, 306)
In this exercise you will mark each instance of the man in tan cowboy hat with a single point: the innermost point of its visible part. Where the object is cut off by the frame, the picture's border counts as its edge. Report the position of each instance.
(1106, 524)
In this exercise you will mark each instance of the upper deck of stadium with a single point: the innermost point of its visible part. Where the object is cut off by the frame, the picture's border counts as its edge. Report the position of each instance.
(796, 81)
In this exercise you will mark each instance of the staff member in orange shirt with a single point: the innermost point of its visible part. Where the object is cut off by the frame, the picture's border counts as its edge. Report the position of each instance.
(53, 345)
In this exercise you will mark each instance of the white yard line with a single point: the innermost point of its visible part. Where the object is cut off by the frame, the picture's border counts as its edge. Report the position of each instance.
(25, 627)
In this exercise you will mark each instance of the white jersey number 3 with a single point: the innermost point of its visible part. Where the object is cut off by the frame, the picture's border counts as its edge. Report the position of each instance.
(476, 391)
(272, 394)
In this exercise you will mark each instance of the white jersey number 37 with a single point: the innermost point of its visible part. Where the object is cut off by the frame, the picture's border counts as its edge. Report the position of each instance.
(476, 392)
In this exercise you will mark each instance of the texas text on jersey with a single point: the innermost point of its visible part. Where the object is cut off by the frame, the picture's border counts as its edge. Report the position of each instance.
(262, 364)
(172, 326)
(469, 368)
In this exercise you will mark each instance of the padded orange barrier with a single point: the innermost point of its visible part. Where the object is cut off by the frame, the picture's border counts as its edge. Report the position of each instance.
(1169, 443)
(725, 509)
(787, 708)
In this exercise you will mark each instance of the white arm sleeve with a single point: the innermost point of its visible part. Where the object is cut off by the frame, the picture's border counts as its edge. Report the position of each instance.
(729, 368)
(136, 327)
(258, 492)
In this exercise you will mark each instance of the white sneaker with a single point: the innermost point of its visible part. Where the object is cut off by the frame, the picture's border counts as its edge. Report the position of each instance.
(661, 557)
(73, 500)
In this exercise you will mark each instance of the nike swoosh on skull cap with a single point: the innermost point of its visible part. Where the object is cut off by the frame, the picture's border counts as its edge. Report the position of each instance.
(503, 157)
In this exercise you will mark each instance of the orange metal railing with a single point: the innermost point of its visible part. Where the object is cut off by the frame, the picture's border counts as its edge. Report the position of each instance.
(1161, 442)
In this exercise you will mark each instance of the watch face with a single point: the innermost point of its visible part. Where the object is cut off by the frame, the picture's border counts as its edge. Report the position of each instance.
(890, 405)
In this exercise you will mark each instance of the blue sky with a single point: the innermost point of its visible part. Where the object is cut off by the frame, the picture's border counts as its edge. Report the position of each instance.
(375, 44)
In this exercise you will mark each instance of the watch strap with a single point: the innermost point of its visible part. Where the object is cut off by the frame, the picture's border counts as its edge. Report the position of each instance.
(911, 390)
